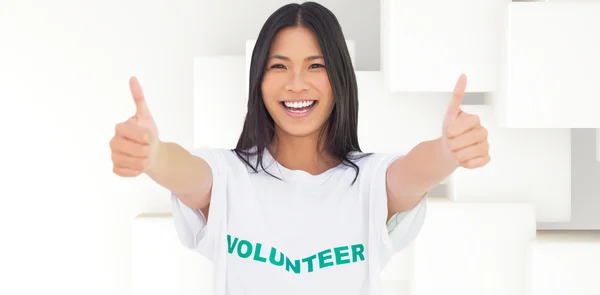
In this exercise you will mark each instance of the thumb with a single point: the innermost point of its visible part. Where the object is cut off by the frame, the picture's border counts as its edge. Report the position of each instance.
(459, 91)
(138, 97)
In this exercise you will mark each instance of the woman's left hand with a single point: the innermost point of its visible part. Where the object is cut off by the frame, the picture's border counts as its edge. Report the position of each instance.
(464, 139)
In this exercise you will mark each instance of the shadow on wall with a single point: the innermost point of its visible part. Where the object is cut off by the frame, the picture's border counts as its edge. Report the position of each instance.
(585, 187)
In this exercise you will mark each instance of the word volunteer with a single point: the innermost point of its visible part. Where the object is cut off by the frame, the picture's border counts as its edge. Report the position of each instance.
(329, 257)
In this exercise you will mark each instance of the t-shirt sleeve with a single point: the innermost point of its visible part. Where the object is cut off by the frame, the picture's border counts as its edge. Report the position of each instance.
(192, 227)
(403, 227)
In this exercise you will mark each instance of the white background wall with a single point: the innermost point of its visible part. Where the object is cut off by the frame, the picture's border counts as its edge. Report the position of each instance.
(64, 66)
(65, 219)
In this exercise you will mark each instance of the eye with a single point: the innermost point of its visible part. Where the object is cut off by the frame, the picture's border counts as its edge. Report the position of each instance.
(277, 66)
(313, 66)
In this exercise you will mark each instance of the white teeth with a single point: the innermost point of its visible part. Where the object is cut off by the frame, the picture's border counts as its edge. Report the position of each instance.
(299, 104)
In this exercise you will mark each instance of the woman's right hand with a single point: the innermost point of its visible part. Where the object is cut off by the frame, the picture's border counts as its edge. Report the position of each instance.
(135, 145)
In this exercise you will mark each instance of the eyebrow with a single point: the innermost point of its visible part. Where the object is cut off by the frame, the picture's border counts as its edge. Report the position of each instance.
(312, 57)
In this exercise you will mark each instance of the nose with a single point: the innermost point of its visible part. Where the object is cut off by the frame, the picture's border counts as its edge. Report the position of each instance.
(296, 83)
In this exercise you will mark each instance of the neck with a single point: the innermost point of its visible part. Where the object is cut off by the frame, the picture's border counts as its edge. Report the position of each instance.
(302, 153)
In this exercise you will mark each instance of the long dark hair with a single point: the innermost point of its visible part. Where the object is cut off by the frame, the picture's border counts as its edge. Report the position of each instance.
(341, 127)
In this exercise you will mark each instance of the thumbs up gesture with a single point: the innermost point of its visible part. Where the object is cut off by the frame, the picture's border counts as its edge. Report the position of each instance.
(134, 146)
(464, 139)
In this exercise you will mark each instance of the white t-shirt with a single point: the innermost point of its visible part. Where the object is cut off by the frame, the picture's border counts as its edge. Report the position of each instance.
(303, 234)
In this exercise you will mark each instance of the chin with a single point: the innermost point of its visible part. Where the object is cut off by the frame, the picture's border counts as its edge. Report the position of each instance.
(298, 131)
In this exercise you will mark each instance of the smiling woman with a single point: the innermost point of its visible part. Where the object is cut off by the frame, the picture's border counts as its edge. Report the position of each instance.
(302, 85)
(296, 78)
(297, 207)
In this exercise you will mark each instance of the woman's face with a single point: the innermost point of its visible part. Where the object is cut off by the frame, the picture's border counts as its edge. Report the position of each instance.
(295, 87)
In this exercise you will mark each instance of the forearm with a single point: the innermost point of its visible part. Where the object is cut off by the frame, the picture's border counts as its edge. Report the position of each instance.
(182, 173)
(425, 166)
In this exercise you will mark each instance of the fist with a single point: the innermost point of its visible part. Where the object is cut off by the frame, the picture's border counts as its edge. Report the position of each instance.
(465, 140)
(134, 147)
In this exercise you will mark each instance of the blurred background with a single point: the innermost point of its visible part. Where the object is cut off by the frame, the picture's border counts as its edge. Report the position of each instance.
(527, 223)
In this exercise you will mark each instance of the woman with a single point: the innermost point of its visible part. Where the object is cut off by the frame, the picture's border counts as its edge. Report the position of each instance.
(297, 207)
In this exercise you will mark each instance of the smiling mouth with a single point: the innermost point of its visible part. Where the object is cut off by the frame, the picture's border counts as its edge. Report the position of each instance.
(299, 107)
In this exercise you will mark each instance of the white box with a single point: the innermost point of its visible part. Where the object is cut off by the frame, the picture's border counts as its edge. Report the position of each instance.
(220, 103)
(474, 248)
(426, 45)
(161, 264)
(552, 77)
(527, 165)
(565, 263)
(394, 122)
